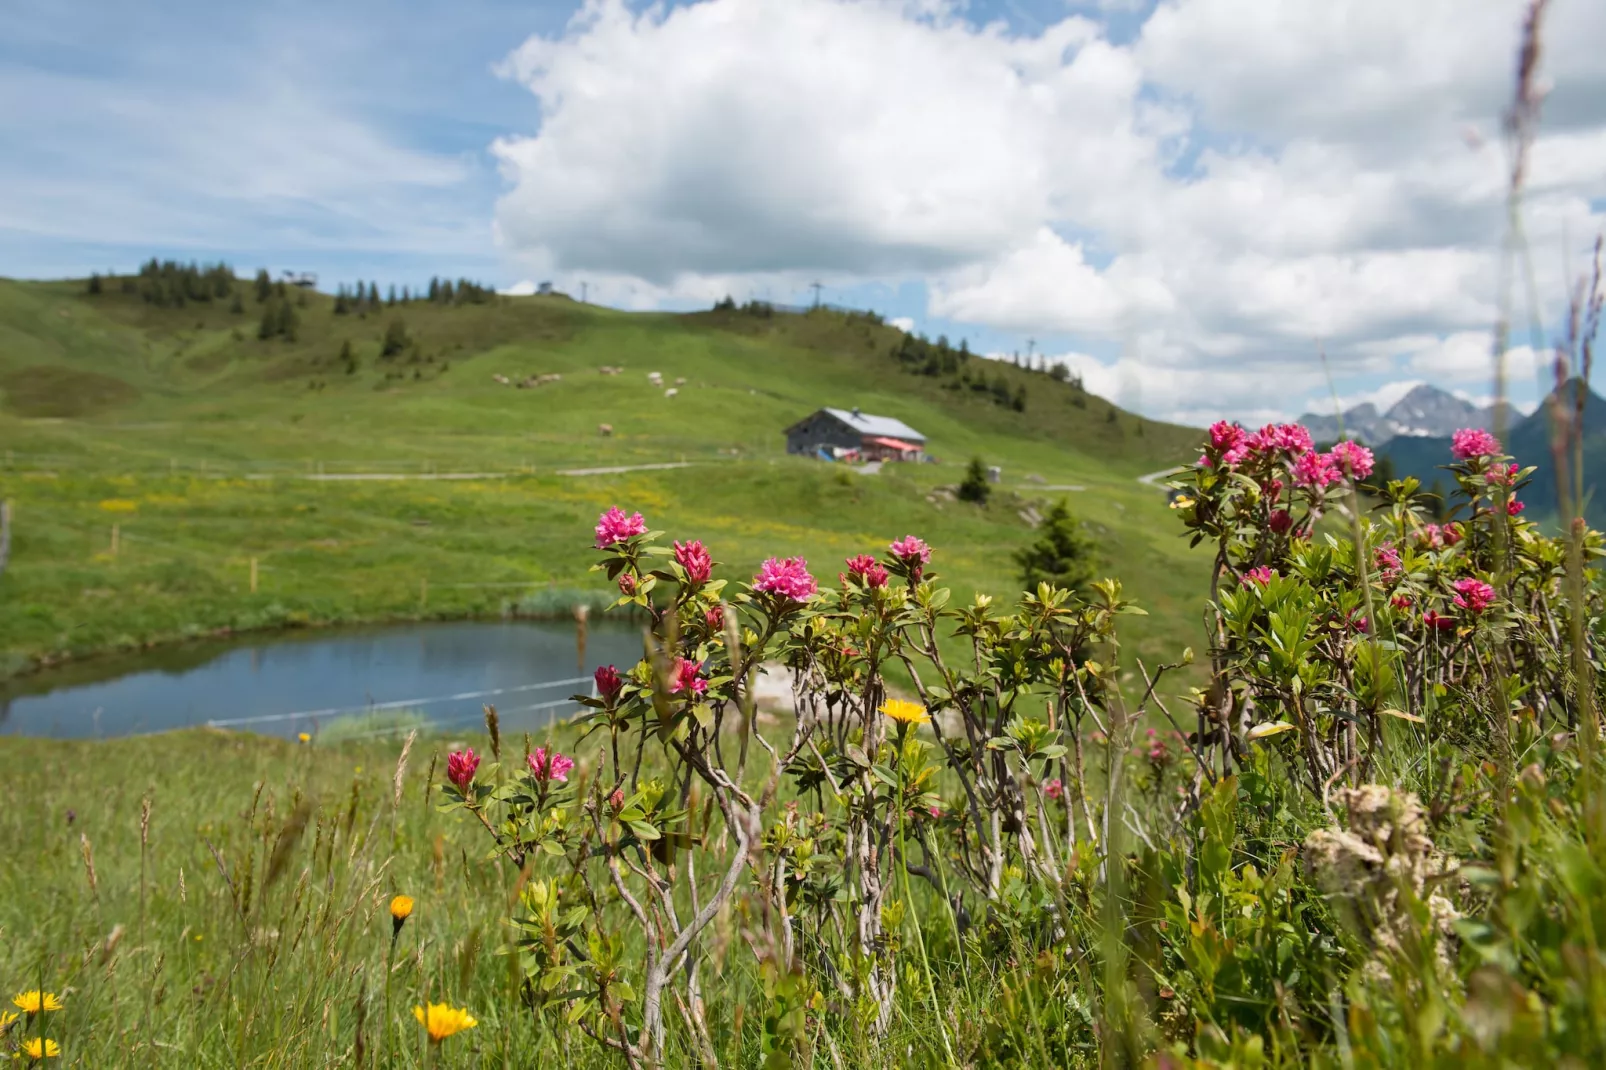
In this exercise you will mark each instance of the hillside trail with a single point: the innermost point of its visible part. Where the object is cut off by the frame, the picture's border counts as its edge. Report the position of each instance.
(346, 477)
(1153, 478)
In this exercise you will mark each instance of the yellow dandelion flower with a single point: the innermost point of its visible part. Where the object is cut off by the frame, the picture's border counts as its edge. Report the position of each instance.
(905, 712)
(37, 1049)
(1181, 502)
(30, 1002)
(6, 1018)
(441, 1021)
(305, 737)
(401, 908)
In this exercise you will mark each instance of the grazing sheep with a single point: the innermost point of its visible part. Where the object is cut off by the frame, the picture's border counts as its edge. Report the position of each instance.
(681, 381)
(605, 430)
(502, 379)
(655, 378)
(671, 392)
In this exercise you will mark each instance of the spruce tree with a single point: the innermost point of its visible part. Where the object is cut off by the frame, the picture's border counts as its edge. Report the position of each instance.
(974, 487)
(395, 339)
(94, 283)
(269, 326)
(1062, 555)
(288, 321)
(264, 286)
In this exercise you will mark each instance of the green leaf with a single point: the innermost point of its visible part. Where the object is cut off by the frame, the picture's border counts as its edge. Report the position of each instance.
(644, 830)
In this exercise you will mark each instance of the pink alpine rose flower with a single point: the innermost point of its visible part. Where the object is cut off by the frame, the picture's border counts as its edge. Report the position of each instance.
(1286, 438)
(460, 766)
(1452, 534)
(1224, 435)
(1054, 789)
(910, 549)
(617, 799)
(1257, 576)
(1501, 475)
(693, 557)
(1470, 442)
(607, 681)
(788, 577)
(1316, 470)
(866, 570)
(1431, 537)
(715, 618)
(1352, 459)
(1280, 521)
(1388, 560)
(1473, 595)
(687, 679)
(1433, 619)
(627, 584)
(549, 767)
(1513, 507)
(614, 527)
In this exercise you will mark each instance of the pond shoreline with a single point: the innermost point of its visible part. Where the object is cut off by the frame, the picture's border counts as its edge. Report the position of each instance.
(294, 680)
(33, 665)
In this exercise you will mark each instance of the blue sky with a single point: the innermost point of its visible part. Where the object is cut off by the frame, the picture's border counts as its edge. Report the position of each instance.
(1157, 195)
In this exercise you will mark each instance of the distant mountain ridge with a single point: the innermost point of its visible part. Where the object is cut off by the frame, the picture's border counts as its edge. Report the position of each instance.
(1528, 441)
(1427, 411)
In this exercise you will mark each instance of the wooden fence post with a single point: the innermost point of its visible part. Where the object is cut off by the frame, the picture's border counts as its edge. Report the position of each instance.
(114, 540)
(253, 575)
(5, 533)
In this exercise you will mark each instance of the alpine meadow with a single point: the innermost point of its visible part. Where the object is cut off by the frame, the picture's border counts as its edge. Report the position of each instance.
(860, 698)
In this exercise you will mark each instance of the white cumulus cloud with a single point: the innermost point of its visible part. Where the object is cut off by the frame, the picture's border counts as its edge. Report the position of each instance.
(1237, 192)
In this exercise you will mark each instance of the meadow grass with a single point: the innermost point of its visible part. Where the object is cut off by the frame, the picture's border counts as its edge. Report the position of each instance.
(249, 927)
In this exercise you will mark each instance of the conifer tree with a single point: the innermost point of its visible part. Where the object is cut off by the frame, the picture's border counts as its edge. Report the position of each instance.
(1062, 555)
(264, 286)
(395, 339)
(974, 487)
(288, 321)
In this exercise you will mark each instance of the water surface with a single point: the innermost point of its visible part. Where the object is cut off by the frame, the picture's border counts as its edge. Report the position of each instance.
(349, 681)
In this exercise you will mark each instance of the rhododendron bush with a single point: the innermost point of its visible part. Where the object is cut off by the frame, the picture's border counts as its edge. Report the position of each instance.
(966, 789)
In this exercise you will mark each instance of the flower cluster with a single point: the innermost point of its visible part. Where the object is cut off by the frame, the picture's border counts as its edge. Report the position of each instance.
(1258, 577)
(788, 577)
(614, 527)
(460, 767)
(867, 571)
(608, 681)
(1473, 595)
(688, 678)
(1471, 442)
(694, 558)
(548, 768)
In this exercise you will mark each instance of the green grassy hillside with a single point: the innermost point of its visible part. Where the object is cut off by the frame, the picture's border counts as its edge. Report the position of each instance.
(192, 434)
